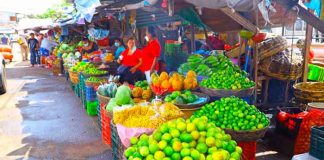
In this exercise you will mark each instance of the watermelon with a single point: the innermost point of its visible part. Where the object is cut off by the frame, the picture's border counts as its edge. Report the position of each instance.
(102, 90)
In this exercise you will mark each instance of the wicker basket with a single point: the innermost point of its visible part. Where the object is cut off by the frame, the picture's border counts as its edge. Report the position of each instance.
(247, 136)
(226, 93)
(283, 65)
(94, 84)
(74, 76)
(235, 52)
(272, 46)
(94, 75)
(103, 99)
(309, 91)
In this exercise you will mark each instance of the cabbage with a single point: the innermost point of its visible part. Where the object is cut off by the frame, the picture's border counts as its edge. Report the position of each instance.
(123, 95)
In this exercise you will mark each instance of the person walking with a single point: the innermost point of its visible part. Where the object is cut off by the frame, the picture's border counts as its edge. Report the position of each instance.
(151, 53)
(23, 47)
(33, 46)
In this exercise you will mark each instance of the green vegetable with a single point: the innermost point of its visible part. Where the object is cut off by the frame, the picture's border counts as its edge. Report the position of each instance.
(123, 95)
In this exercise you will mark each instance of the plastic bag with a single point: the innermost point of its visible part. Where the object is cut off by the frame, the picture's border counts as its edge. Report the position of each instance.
(125, 134)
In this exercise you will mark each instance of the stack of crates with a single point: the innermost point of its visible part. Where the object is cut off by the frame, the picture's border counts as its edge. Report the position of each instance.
(99, 116)
(117, 146)
(82, 79)
(105, 125)
(91, 101)
(317, 142)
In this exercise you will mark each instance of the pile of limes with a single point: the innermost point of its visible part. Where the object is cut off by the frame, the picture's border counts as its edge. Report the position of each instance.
(178, 139)
(233, 113)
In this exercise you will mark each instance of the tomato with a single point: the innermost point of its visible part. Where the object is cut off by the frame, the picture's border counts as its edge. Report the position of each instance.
(227, 47)
(282, 116)
(302, 115)
(259, 37)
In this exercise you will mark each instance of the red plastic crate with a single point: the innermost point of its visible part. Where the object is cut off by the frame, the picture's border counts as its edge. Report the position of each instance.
(105, 125)
(249, 150)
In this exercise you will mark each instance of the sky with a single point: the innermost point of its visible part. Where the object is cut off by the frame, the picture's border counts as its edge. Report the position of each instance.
(27, 6)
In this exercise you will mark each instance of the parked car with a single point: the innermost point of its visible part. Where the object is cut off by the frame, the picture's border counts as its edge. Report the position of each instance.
(3, 82)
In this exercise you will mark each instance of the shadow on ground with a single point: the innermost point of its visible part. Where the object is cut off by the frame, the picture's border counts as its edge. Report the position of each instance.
(48, 120)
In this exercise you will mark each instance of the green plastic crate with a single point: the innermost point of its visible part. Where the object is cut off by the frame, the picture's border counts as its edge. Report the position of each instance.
(92, 108)
(315, 73)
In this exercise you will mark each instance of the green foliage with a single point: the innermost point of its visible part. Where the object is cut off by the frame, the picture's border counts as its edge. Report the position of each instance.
(55, 12)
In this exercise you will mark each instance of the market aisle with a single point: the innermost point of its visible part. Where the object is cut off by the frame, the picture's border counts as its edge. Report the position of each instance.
(40, 118)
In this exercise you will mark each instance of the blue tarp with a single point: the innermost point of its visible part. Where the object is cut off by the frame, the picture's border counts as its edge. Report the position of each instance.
(314, 5)
(87, 8)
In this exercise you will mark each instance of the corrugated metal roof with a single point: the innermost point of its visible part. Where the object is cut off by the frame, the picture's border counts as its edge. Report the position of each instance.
(144, 18)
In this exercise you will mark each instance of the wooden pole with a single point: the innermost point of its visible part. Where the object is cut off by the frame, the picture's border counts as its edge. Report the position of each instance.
(255, 61)
(193, 44)
(308, 42)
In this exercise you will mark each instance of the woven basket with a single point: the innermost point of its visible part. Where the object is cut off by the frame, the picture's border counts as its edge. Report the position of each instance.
(94, 84)
(272, 46)
(74, 77)
(193, 106)
(283, 66)
(235, 52)
(93, 75)
(226, 93)
(103, 99)
(309, 91)
(247, 136)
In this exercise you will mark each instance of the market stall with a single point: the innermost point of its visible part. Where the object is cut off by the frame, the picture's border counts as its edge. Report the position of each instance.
(210, 104)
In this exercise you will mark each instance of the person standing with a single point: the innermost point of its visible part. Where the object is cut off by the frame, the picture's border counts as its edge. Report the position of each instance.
(23, 47)
(151, 53)
(33, 46)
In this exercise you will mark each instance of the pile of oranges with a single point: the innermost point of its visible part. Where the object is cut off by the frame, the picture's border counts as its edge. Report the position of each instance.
(175, 81)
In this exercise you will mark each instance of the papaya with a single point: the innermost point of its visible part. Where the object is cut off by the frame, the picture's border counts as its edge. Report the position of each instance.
(188, 83)
(177, 84)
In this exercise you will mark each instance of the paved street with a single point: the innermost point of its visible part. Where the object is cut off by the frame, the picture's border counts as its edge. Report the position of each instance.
(40, 118)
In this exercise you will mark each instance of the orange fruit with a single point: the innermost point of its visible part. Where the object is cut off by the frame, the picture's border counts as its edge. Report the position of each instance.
(164, 76)
(177, 85)
(191, 74)
(165, 84)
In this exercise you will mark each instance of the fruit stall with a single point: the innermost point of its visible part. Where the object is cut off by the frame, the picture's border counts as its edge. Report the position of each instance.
(213, 105)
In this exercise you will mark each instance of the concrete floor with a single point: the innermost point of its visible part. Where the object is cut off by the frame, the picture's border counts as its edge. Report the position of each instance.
(41, 118)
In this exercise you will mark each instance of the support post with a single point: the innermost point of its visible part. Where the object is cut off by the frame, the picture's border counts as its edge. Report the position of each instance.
(308, 42)
(193, 44)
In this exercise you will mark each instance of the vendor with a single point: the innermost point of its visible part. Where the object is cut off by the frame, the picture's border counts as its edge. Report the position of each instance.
(151, 53)
(120, 48)
(130, 61)
(88, 46)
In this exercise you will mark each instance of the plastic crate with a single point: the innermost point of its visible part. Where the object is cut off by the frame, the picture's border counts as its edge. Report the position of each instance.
(249, 150)
(99, 116)
(290, 127)
(90, 93)
(116, 145)
(317, 142)
(105, 125)
(92, 108)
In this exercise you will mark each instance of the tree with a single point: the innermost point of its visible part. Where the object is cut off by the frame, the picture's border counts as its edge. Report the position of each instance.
(56, 12)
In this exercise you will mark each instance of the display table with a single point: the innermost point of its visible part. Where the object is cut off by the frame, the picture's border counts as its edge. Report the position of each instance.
(304, 156)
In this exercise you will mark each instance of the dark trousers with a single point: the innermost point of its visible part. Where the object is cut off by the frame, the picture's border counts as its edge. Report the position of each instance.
(131, 78)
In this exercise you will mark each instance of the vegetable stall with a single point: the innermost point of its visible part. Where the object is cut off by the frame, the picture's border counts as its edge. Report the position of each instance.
(206, 103)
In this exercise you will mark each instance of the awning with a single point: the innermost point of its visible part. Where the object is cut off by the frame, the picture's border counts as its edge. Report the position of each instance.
(238, 5)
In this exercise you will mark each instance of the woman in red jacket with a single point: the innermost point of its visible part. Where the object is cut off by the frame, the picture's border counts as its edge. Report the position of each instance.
(130, 61)
(151, 53)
